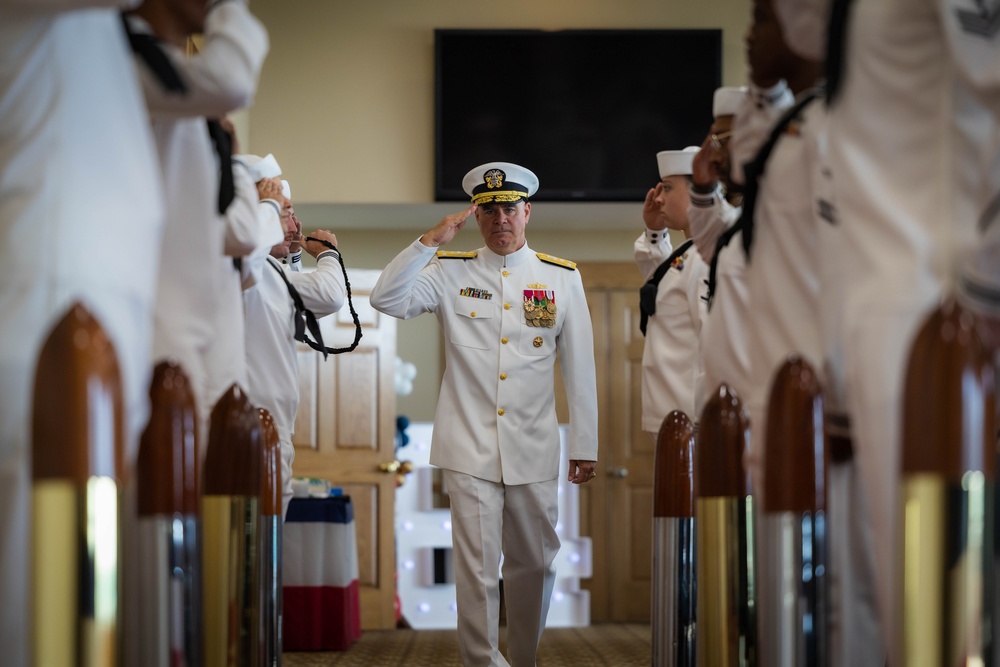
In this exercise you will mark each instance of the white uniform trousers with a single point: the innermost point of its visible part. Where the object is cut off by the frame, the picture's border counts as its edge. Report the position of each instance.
(287, 456)
(519, 520)
(854, 623)
(876, 350)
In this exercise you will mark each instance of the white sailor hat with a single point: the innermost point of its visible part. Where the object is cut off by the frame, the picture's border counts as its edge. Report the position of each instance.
(261, 167)
(676, 163)
(804, 25)
(286, 189)
(727, 99)
(499, 181)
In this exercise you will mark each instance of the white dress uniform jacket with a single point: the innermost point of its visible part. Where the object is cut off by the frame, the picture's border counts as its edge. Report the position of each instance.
(724, 351)
(251, 226)
(80, 220)
(671, 356)
(272, 363)
(752, 122)
(783, 274)
(197, 280)
(496, 416)
(908, 149)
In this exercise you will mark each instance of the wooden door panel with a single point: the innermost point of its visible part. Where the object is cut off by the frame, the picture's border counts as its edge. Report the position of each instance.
(365, 500)
(641, 562)
(357, 400)
(306, 426)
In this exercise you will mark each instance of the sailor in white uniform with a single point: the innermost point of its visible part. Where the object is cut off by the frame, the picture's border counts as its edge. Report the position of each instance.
(913, 112)
(506, 312)
(725, 357)
(81, 215)
(779, 235)
(271, 347)
(196, 277)
(672, 300)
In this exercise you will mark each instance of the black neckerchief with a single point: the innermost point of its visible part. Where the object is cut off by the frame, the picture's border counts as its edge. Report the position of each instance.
(647, 293)
(306, 319)
(836, 37)
(713, 267)
(223, 143)
(754, 169)
(150, 49)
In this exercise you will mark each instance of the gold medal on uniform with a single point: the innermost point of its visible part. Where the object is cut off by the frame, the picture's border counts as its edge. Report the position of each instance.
(539, 307)
(529, 310)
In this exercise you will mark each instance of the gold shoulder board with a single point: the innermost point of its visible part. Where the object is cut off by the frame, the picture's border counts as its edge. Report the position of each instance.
(558, 261)
(457, 254)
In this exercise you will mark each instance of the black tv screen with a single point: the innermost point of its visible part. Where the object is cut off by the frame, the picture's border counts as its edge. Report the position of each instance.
(586, 110)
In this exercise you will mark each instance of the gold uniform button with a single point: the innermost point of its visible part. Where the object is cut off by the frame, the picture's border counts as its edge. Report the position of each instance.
(505, 274)
(504, 340)
(503, 376)
(500, 412)
(472, 314)
(506, 306)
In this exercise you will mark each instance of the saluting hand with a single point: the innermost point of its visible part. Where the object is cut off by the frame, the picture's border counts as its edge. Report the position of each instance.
(270, 188)
(706, 163)
(652, 217)
(446, 229)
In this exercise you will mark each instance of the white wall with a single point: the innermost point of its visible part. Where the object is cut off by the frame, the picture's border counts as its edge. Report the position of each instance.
(346, 96)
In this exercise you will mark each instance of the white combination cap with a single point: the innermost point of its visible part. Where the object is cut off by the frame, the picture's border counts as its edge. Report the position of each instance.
(499, 181)
(727, 100)
(676, 163)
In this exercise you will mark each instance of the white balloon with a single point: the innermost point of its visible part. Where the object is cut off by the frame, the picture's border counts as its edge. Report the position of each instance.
(403, 377)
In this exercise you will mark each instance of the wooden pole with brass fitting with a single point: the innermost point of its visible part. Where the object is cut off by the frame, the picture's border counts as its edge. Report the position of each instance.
(674, 557)
(77, 451)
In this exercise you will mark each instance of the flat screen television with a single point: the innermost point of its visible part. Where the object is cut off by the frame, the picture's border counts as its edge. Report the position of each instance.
(586, 110)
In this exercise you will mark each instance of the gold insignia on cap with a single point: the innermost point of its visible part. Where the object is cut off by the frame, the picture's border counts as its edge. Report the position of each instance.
(558, 261)
(456, 254)
(494, 178)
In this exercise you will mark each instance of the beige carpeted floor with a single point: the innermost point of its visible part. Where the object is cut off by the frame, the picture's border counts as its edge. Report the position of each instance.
(606, 645)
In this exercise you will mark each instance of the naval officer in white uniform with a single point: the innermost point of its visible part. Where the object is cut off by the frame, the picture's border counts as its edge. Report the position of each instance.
(506, 311)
